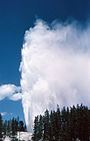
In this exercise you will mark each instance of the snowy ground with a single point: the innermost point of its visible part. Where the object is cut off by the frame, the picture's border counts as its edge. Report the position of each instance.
(26, 136)
(7, 139)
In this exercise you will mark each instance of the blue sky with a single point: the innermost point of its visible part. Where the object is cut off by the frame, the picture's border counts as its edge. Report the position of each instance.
(15, 18)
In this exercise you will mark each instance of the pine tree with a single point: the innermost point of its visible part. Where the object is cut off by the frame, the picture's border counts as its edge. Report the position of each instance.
(63, 124)
(40, 127)
(9, 127)
(21, 126)
(73, 123)
(67, 125)
(5, 127)
(13, 127)
(83, 122)
(68, 133)
(36, 131)
(46, 135)
(58, 123)
(52, 129)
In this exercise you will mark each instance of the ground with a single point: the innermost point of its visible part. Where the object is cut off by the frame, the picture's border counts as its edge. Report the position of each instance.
(26, 136)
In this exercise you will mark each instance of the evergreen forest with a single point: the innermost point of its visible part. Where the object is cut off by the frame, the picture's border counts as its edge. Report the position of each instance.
(69, 124)
(10, 128)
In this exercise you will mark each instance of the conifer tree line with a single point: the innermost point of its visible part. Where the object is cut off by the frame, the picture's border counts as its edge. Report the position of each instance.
(10, 127)
(69, 124)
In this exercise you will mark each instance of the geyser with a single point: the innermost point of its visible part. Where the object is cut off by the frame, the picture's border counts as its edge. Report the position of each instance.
(55, 68)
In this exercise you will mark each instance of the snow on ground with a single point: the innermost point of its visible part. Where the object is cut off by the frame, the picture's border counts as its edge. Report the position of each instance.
(7, 139)
(24, 136)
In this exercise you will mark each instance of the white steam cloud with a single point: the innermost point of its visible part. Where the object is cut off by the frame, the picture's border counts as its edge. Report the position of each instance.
(55, 68)
(10, 91)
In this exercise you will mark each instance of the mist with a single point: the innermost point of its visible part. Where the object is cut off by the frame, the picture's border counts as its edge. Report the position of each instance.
(55, 68)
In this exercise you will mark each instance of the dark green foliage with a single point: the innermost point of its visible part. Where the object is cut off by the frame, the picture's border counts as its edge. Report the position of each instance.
(40, 127)
(5, 127)
(66, 125)
(21, 126)
(46, 134)
(10, 128)
(36, 130)
(13, 127)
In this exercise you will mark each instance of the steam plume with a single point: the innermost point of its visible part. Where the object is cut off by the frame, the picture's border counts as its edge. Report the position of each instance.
(55, 68)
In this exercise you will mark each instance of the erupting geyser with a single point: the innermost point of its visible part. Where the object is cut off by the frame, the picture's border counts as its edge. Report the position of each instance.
(55, 68)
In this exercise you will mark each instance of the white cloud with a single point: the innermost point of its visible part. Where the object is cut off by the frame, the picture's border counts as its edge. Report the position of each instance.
(10, 91)
(4, 113)
(16, 97)
(55, 68)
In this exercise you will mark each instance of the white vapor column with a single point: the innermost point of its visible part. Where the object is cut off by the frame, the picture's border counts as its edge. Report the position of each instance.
(55, 68)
